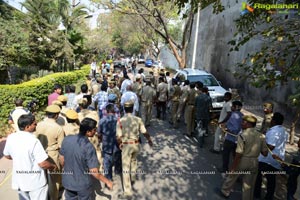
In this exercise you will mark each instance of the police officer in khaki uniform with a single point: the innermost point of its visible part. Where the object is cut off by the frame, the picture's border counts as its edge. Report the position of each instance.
(190, 112)
(137, 87)
(114, 90)
(148, 95)
(266, 123)
(72, 127)
(175, 93)
(249, 145)
(162, 97)
(128, 130)
(51, 136)
(182, 101)
(63, 99)
(61, 119)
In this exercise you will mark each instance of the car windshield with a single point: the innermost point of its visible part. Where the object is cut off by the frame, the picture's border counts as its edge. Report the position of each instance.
(207, 80)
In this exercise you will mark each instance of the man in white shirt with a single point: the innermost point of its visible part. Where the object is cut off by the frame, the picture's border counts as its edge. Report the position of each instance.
(130, 96)
(93, 68)
(84, 91)
(16, 113)
(224, 116)
(125, 84)
(29, 161)
(276, 137)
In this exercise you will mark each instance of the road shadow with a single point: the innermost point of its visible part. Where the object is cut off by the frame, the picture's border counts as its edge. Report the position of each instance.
(176, 168)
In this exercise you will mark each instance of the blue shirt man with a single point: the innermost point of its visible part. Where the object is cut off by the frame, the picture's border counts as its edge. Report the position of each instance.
(110, 151)
(79, 160)
(234, 126)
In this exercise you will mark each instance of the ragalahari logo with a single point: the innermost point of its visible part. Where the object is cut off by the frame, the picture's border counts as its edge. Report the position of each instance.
(246, 8)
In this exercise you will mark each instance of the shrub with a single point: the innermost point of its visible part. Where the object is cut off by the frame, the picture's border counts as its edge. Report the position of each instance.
(38, 89)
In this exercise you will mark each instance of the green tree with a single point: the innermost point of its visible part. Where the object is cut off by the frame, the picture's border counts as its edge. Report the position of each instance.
(13, 39)
(156, 15)
(52, 48)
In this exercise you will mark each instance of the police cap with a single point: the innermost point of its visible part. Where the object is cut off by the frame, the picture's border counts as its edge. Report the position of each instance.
(128, 104)
(53, 109)
(62, 98)
(72, 114)
(57, 102)
(268, 106)
(250, 118)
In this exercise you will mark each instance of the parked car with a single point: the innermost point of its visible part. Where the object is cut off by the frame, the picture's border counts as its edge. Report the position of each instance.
(141, 59)
(216, 91)
(148, 62)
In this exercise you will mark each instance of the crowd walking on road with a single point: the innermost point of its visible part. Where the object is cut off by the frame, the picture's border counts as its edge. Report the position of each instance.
(96, 134)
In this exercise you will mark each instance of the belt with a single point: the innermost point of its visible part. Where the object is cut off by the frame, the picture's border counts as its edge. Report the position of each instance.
(131, 142)
(190, 104)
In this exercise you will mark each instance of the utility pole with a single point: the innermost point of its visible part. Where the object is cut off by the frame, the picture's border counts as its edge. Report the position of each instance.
(196, 37)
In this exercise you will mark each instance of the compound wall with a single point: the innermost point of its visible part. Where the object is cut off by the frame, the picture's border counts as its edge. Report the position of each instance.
(213, 55)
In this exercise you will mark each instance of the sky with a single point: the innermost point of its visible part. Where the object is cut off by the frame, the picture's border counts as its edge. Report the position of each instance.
(92, 21)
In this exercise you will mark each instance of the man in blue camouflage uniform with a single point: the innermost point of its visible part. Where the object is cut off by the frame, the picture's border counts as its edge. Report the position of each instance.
(110, 151)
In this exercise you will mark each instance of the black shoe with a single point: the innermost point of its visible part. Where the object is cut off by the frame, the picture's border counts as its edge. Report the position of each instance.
(214, 151)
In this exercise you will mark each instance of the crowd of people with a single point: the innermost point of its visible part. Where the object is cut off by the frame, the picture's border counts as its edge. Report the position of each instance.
(97, 131)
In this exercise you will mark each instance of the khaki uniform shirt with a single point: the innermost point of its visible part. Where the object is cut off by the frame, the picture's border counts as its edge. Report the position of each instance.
(266, 124)
(71, 129)
(88, 113)
(191, 98)
(175, 93)
(162, 90)
(250, 143)
(93, 115)
(184, 94)
(137, 88)
(147, 94)
(50, 134)
(129, 128)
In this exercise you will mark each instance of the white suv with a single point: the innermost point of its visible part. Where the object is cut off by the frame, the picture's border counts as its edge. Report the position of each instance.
(216, 91)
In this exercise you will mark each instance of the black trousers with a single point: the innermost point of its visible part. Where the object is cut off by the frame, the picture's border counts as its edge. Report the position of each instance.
(161, 107)
(270, 173)
(228, 148)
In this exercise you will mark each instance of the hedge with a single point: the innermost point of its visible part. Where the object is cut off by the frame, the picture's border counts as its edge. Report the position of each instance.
(38, 89)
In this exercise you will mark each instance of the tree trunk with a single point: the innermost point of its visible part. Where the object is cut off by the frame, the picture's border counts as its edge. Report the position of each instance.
(293, 127)
(10, 81)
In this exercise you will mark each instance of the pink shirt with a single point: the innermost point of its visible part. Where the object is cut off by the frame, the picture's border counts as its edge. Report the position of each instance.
(52, 97)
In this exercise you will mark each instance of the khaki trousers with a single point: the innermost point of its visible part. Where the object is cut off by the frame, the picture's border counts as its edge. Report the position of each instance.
(174, 110)
(129, 166)
(190, 119)
(146, 112)
(54, 179)
(180, 109)
(248, 167)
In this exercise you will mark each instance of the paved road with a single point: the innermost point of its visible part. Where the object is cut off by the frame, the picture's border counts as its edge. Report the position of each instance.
(175, 168)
